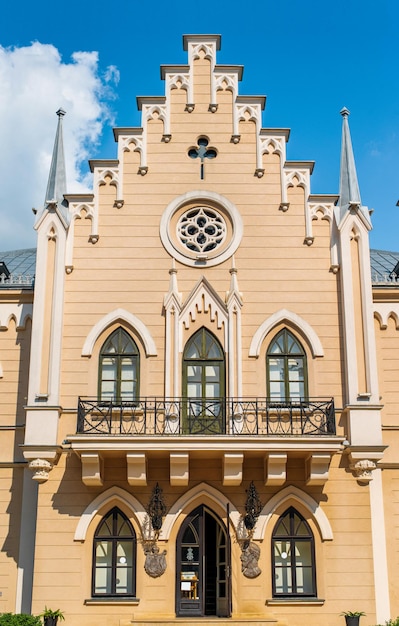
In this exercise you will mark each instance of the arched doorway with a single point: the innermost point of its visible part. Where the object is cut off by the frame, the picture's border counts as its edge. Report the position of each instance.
(203, 583)
(203, 384)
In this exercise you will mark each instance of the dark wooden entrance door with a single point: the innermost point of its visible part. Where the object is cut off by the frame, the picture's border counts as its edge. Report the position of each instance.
(202, 562)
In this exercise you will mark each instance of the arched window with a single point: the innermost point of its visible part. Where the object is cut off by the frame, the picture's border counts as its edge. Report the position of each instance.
(119, 368)
(203, 383)
(286, 368)
(114, 556)
(293, 559)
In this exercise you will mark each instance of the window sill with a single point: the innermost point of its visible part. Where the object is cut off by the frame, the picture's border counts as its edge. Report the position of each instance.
(113, 601)
(295, 601)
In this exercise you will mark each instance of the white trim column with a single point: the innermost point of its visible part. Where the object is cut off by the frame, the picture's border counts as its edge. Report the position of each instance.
(27, 540)
(381, 578)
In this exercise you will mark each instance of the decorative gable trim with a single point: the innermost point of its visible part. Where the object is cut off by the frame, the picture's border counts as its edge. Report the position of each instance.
(280, 317)
(124, 316)
(286, 495)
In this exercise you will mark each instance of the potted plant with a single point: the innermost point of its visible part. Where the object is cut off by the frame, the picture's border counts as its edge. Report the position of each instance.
(50, 617)
(352, 618)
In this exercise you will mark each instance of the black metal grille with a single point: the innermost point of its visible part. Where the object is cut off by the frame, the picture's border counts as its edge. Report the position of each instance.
(216, 416)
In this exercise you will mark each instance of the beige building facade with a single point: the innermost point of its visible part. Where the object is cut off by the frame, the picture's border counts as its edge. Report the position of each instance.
(199, 391)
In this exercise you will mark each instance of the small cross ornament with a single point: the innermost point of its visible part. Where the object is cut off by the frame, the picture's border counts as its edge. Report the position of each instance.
(202, 152)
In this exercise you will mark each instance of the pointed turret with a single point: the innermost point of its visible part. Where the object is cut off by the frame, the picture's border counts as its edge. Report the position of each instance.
(56, 186)
(349, 194)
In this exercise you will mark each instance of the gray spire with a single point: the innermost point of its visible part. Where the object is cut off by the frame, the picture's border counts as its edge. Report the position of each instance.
(56, 186)
(349, 194)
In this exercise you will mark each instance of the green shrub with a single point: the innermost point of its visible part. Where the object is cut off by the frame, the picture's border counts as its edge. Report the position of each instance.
(391, 622)
(19, 619)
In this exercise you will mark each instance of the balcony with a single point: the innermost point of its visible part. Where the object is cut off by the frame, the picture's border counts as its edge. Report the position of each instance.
(211, 417)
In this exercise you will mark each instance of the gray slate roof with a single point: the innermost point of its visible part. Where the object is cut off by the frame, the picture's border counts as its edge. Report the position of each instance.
(21, 265)
(384, 267)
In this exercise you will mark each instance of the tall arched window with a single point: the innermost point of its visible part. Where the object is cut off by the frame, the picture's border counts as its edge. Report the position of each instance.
(286, 368)
(203, 383)
(119, 368)
(293, 557)
(114, 556)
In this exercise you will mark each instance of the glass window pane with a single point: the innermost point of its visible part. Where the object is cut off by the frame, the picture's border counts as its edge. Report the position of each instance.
(283, 580)
(103, 567)
(194, 373)
(277, 391)
(304, 580)
(124, 557)
(128, 369)
(303, 553)
(194, 390)
(212, 372)
(212, 390)
(276, 369)
(108, 390)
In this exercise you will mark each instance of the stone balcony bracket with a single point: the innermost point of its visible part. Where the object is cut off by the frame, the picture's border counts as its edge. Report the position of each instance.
(317, 466)
(136, 469)
(275, 469)
(179, 469)
(232, 469)
(92, 469)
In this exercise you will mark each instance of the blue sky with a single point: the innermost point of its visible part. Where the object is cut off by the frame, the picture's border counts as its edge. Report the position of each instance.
(309, 58)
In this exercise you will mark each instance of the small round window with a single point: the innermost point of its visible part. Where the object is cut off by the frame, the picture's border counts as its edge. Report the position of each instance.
(201, 229)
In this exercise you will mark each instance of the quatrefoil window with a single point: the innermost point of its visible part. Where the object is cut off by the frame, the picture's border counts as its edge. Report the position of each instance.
(201, 229)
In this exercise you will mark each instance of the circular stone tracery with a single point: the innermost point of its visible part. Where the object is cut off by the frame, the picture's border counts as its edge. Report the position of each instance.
(201, 229)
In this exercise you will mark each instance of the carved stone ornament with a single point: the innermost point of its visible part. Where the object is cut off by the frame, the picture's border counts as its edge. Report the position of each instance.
(363, 470)
(250, 553)
(155, 562)
(41, 469)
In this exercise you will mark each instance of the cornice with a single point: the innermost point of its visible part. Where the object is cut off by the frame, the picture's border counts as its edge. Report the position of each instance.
(252, 100)
(229, 69)
(322, 198)
(127, 130)
(79, 197)
(385, 293)
(149, 100)
(300, 164)
(201, 39)
(93, 163)
(173, 69)
(276, 132)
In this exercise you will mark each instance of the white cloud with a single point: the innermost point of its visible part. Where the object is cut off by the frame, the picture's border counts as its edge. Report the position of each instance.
(34, 83)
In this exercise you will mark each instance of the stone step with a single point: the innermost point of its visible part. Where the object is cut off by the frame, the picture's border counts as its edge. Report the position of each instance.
(208, 621)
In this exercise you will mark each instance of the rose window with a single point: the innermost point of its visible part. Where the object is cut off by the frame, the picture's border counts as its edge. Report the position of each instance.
(201, 229)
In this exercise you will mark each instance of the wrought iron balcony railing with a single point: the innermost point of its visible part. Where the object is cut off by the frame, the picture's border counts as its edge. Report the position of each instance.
(216, 416)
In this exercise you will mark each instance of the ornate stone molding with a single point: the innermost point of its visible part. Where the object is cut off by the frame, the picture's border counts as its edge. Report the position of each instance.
(41, 470)
(363, 470)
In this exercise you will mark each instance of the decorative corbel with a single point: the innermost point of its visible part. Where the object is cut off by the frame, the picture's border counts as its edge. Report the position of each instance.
(41, 470)
(363, 470)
